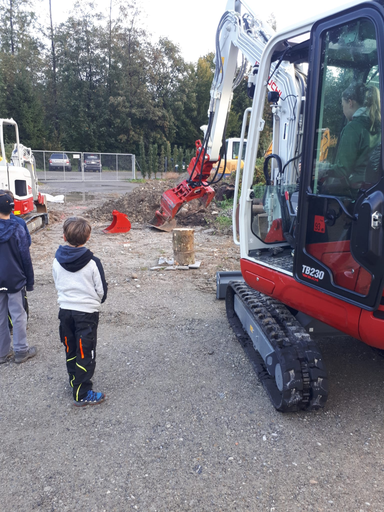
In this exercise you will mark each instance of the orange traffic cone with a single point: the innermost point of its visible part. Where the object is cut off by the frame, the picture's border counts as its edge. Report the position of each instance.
(120, 223)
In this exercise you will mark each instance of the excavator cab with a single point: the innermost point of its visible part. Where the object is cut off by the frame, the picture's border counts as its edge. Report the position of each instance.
(327, 202)
(339, 246)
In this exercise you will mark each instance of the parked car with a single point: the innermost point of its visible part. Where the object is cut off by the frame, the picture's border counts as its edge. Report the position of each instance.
(59, 162)
(92, 162)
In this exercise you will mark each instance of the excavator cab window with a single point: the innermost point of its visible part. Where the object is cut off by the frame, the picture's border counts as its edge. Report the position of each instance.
(339, 242)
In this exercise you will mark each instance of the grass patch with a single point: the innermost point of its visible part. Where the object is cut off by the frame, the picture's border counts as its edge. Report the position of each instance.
(226, 204)
(223, 221)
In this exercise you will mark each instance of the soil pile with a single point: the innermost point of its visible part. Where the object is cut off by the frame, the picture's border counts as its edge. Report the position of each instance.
(140, 205)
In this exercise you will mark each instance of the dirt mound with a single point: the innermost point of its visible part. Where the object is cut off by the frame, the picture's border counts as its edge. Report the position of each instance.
(141, 204)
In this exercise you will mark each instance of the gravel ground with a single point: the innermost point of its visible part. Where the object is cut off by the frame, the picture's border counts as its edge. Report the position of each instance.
(186, 426)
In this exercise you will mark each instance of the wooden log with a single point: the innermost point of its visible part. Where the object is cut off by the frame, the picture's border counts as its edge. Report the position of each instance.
(183, 246)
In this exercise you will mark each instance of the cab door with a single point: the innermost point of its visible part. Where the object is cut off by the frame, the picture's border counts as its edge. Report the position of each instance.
(340, 241)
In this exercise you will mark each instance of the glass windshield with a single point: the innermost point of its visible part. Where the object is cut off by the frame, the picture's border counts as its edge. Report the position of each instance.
(348, 112)
(347, 148)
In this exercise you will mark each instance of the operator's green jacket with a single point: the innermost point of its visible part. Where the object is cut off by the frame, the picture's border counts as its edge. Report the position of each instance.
(357, 140)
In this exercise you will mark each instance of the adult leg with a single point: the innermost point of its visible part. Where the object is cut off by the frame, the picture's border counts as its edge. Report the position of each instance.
(86, 338)
(5, 337)
(68, 339)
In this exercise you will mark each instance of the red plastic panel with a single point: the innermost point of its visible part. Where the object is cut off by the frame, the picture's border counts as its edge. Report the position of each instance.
(315, 303)
(372, 329)
(259, 283)
(24, 206)
(346, 272)
(347, 318)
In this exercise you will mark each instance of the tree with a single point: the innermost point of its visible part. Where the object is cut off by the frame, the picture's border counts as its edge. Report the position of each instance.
(154, 159)
(142, 159)
(162, 160)
(204, 77)
(175, 158)
(20, 70)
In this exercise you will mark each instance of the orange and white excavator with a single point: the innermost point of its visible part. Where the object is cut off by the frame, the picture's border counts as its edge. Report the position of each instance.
(311, 238)
(19, 176)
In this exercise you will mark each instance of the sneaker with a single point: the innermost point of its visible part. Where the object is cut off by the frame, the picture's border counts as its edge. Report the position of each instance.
(91, 398)
(8, 356)
(21, 357)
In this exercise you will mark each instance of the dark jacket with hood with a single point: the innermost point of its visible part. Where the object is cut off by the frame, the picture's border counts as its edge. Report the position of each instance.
(79, 279)
(16, 269)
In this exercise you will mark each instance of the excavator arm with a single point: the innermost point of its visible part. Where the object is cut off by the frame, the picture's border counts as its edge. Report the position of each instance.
(235, 33)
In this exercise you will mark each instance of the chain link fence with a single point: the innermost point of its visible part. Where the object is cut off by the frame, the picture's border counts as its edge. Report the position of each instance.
(77, 166)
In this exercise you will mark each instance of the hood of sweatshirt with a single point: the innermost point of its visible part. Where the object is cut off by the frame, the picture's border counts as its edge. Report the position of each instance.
(7, 228)
(362, 117)
(73, 259)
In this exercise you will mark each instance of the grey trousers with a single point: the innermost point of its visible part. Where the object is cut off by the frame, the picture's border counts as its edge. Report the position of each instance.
(13, 302)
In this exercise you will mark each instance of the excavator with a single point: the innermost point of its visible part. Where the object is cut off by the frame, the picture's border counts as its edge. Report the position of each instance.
(19, 176)
(311, 238)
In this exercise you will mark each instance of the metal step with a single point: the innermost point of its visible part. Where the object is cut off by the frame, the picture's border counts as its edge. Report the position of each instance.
(222, 280)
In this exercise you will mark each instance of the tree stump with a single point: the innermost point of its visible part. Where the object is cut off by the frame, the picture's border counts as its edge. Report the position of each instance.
(183, 246)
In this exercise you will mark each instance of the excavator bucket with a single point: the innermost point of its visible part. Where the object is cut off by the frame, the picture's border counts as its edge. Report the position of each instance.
(120, 223)
(171, 202)
(167, 226)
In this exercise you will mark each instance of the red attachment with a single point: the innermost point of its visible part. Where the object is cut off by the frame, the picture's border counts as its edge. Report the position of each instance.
(194, 188)
(275, 234)
(41, 199)
(120, 223)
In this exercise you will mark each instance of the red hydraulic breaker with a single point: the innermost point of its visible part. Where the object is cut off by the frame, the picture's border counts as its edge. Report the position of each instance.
(194, 188)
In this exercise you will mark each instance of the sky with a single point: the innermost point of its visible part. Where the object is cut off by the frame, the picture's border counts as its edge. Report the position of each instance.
(191, 24)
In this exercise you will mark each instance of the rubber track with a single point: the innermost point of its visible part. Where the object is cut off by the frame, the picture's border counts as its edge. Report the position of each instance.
(305, 384)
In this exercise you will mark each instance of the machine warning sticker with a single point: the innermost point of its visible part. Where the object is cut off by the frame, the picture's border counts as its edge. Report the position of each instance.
(319, 224)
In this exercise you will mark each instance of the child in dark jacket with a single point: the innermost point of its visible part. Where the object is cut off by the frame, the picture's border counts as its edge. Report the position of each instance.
(21, 221)
(16, 275)
(23, 224)
(81, 288)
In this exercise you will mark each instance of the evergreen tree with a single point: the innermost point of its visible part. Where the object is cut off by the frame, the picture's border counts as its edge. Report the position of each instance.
(150, 161)
(162, 161)
(142, 158)
(155, 160)
(181, 159)
(175, 158)
(168, 157)
(20, 86)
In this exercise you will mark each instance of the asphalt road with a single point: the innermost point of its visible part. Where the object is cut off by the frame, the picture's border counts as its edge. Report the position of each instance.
(91, 185)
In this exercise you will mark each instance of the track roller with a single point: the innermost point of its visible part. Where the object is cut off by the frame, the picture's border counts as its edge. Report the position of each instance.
(285, 358)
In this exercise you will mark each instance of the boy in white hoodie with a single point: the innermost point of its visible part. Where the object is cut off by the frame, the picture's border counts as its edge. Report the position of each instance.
(81, 288)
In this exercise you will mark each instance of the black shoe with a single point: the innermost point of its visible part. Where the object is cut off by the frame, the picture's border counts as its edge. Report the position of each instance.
(21, 357)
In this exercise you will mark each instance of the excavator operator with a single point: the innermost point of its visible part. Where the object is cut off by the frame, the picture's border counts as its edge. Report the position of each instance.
(359, 137)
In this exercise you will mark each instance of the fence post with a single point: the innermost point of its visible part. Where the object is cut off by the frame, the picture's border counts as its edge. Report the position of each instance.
(134, 167)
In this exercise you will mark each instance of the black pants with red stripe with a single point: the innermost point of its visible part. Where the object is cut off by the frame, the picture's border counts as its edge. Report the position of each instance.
(78, 333)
